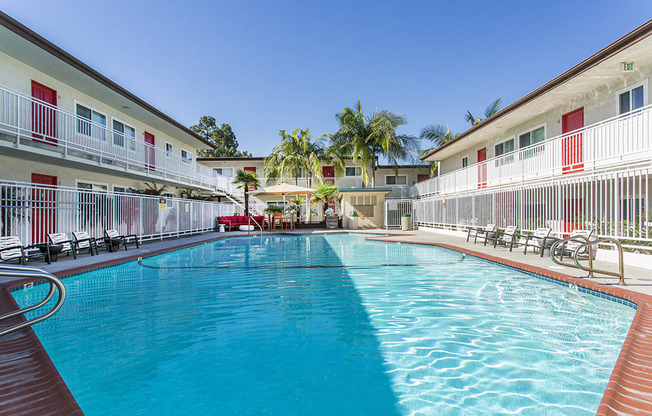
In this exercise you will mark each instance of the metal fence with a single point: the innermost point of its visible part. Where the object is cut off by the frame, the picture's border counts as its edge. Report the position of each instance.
(613, 204)
(32, 211)
(394, 210)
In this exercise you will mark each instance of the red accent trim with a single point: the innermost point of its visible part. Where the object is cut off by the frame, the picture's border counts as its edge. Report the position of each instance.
(482, 169)
(44, 119)
(150, 152)
(572, 155)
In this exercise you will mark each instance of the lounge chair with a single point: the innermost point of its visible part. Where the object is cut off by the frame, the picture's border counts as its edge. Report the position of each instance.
(507, 237)
(536, 240)
(483, 232)
(112, 239)
(62, 240)
(11, 248)
(82, 241)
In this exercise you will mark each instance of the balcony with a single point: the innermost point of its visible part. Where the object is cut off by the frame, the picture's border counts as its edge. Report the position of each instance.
(618, 143)
(32, 125)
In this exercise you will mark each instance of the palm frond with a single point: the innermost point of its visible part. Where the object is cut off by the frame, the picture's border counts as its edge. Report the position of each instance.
(492, 108)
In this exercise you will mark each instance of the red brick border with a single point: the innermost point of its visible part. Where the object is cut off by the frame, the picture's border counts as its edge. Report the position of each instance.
(629, 390)
(25, 366)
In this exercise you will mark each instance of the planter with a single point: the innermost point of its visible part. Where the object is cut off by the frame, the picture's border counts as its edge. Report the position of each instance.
(406, 222)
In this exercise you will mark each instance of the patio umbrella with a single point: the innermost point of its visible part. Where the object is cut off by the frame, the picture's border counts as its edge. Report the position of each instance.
(284, 189)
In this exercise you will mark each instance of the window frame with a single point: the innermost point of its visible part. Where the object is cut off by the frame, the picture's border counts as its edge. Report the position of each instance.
(93, 183)
(92, 109)
(124, 124)
(464, 166)
(171, 152)
(185, 159)
(643, 83)
(397, 176)
(126, 188)
(537, 152)
(232, 171)
(505, 160)
(356, 169)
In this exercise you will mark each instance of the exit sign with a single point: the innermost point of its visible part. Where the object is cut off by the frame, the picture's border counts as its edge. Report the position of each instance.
(627, 66)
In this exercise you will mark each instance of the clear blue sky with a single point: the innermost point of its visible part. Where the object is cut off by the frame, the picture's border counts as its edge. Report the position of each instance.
(269, 65)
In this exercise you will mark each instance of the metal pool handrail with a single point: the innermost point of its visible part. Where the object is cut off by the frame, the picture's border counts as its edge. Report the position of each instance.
(21, 271)
(621, 264)
(574, 266)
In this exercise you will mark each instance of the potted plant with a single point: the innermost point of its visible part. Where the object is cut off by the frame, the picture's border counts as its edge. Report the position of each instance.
(326, 193)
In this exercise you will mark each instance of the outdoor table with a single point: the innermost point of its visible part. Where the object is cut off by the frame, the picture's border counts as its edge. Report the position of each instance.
(51, 254)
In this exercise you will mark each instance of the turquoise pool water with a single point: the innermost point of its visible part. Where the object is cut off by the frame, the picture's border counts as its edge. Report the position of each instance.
(243, 327)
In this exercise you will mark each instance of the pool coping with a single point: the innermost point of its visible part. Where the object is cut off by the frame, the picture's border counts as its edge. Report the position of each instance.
(628, 392)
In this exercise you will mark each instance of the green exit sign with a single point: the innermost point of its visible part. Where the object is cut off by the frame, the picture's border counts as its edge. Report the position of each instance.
(627, 66)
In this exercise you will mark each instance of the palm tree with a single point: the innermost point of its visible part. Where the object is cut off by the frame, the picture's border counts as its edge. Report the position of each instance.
(294, 154)
(246, 180)
(369, 137)
(491, 109)
(325, 192)
(438, 135)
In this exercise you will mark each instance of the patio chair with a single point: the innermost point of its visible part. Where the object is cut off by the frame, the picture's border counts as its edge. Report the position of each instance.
(277, 219)
(507, 237)
(66, 244)
(288, 221)
(536, 240)
(570, 246)
(482, 232)
(113, 239)
(81, 240)
(11, 248)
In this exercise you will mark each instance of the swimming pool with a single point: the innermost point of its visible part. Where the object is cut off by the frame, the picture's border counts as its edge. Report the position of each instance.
(329, 325)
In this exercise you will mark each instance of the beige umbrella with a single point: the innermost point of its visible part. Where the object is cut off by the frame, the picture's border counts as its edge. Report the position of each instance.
(284, 189)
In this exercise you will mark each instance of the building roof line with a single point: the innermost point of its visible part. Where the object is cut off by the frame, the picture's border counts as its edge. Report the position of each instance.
(38, 40)
(624, 42)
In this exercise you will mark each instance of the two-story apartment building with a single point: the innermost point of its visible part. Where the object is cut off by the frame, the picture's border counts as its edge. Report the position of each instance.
(574, 153)
(396, 182)
(66, 128)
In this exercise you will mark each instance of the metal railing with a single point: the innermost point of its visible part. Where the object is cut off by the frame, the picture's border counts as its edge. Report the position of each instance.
(563, 242)
(55, 285)
(613, 205)
(394, 211)
(31, 211)
(621, 264)
(340, 181)
(623, 140)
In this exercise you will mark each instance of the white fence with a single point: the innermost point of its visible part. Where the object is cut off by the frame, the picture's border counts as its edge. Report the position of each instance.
(618, 142)
(613, 204)
(32, 211)
(394, 211)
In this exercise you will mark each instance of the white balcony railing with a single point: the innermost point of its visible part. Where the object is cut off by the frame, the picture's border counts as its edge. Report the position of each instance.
(341, 181)
(32, 122)
(619, 141)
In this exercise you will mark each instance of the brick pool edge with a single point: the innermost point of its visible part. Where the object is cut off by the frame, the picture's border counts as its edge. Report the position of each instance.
(34, 386)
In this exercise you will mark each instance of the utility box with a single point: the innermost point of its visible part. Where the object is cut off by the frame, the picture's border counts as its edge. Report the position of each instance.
(406, 222)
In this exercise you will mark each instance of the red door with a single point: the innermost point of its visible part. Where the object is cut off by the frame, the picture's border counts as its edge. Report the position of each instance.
(44, 216)
(150, 152)
(328, 173)
(572, 147)
(44, 117)
(250, 169)
(422, 177)
(482, 168)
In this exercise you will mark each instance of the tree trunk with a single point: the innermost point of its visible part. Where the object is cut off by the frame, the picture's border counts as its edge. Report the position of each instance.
(373, 174)
(246, 198)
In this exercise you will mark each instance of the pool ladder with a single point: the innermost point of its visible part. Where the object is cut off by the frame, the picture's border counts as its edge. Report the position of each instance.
(55, 285)
(588, 244)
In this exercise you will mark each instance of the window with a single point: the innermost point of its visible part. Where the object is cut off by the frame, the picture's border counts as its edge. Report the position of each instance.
(632, 98)
(228, 172)
(122, 189)
(502, 148)
(186, 156)
(530, 138)
(91, 186)
(396, 180)
(465, 161)
(124, 133)
(353, 171)
(90, 122)
(168, 149)
(364, 204)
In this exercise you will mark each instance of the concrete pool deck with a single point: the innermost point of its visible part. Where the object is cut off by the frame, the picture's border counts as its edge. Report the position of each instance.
(30, 385)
